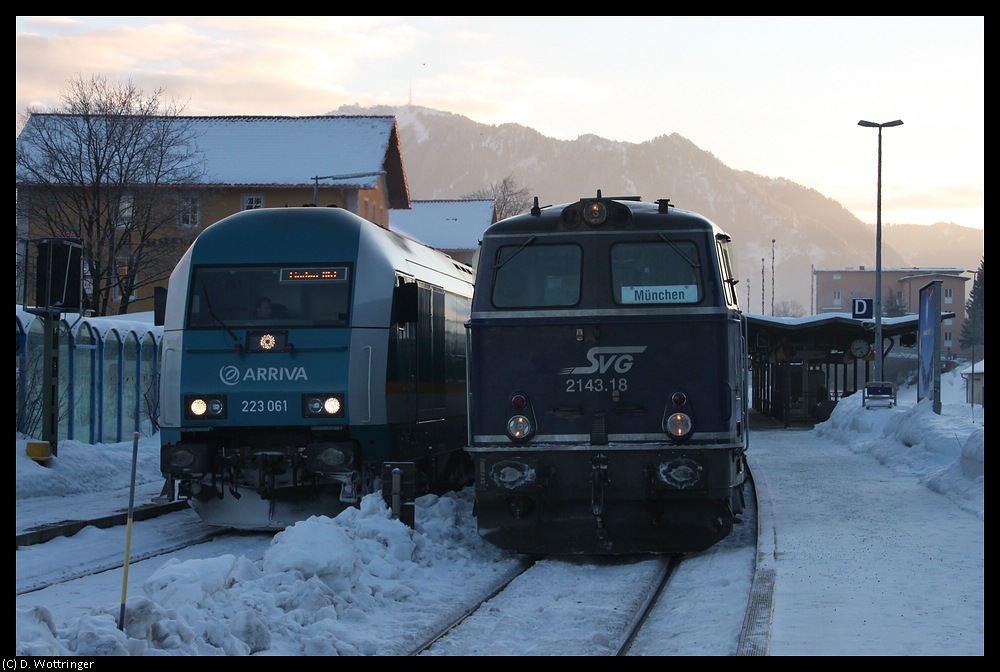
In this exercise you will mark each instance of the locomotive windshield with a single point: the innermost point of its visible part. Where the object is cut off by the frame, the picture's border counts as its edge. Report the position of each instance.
(537, 276)
(260, 296)
(642, 273)
(655, 273)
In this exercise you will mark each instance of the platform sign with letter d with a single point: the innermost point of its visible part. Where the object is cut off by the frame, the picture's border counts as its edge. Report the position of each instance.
(863, 309)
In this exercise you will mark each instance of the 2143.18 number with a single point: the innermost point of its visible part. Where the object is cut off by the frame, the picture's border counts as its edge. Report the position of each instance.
(596, 384)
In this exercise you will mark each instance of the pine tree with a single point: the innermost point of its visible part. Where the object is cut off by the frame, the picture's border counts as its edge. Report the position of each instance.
(974, 330)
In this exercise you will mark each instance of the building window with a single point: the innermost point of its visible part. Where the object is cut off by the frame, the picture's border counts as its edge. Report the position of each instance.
(119, 280)
(126, 211)
(189, 212)
(836, 276)
(947, 339)
(253, 201)
(836, 297)
(948, 294)
(948, 322)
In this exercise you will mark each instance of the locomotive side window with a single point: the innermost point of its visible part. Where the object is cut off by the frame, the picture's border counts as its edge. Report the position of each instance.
(728, 275)
(231, 296)
(537, 276)
(656, 273)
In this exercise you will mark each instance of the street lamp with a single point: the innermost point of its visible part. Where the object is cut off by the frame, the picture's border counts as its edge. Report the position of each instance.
(975, 335)
(878, 246)
(762, 286)
(772, 277)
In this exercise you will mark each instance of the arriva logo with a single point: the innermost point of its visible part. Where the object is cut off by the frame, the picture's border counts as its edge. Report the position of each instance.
(230, 375)
(602, 359)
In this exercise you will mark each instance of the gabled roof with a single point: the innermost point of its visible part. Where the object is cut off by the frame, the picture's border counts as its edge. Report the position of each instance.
(445, 224)
(293, 151)
(976, 368)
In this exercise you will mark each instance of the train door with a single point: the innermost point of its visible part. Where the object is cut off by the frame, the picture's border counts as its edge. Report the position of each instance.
(401, 367)
(431, 355)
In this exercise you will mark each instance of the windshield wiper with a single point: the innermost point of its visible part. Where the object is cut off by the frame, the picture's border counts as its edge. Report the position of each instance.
(693, 263)
(215, 317)
(529, 241)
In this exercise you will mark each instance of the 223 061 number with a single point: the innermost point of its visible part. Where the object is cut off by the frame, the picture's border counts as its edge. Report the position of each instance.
(264, 406)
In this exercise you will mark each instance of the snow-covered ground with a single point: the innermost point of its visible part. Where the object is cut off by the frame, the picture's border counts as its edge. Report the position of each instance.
(872, 523)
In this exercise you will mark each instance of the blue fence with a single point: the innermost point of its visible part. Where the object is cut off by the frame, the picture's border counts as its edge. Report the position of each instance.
(108, 373)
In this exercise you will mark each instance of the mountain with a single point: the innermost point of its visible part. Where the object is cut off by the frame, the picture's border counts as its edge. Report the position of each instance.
(447, 155)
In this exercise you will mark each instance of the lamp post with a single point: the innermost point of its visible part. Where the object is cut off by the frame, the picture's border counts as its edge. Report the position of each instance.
(878, 245)
(762, 286)
(772, 277)
(975, 335)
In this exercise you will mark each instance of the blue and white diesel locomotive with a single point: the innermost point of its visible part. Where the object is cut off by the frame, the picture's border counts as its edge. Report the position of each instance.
(607, 400)
(303, 349)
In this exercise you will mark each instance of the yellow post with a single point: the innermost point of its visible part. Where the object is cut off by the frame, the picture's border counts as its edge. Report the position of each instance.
(39, 451)
(128, 529)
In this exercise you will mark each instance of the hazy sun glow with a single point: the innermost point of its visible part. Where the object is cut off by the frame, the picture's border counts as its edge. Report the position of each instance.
(777, 96)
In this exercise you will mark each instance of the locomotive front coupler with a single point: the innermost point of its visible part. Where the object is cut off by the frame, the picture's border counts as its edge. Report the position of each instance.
(269, 463)
(233, 486)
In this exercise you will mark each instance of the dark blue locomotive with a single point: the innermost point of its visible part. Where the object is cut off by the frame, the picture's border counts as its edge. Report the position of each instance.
(608, 405)
(303, 350)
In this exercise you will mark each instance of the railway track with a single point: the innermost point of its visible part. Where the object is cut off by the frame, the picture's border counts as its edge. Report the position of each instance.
(645, 601)
(98, 567)
(67, 528)
(594, 605)
(623, 590)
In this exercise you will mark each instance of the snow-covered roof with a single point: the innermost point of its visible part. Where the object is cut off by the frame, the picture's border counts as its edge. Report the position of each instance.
(349, 150)
(978, 367)
(924, 270)
(141, 324)
(444, 224)
(830, 319)
(293, 150)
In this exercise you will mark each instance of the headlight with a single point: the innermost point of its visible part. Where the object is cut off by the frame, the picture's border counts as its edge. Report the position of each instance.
(677, 425)
(595, 213)
(205, 407)
(268, 341)
(520, 428)
(323, 405)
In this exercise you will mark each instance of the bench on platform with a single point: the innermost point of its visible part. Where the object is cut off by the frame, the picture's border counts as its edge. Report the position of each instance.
(879, 394)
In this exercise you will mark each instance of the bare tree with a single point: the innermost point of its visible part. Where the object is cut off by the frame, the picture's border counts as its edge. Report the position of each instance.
(109, 166)
(789, 309)
(30, 387)
(509, 198)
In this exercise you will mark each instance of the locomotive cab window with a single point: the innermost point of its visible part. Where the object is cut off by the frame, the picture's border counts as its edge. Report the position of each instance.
(537, 276)
(266, 296)
(658, 272)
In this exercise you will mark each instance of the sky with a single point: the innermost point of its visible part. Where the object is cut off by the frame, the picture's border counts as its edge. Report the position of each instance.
(872, 523)
(777, 96)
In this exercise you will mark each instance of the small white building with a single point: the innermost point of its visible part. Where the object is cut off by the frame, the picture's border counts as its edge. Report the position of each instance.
(974, 376)
(454, 226)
